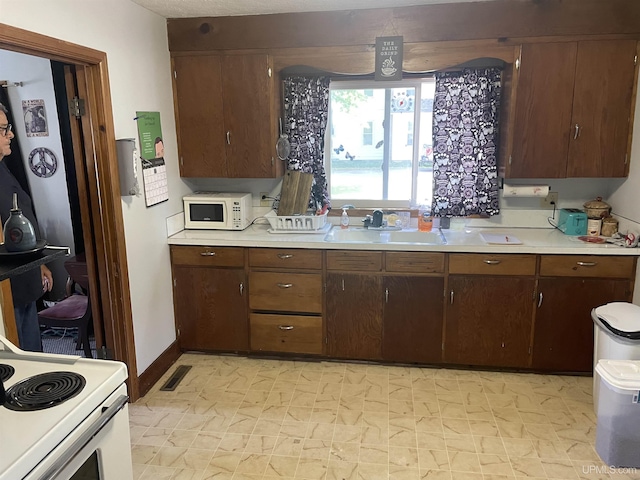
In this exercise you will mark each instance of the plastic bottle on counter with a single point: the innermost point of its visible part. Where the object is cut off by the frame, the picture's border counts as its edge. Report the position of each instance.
(425, 221)
(344, 219)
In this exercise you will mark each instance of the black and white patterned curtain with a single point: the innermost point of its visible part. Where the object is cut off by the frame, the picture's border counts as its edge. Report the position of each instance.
(465, 143)
(306, 109)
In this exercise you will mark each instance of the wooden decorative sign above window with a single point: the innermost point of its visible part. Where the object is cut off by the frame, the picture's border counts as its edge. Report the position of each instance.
(388, 58)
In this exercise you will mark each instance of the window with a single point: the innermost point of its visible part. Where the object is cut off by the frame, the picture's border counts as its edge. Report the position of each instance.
(367, 134)
(369, 164)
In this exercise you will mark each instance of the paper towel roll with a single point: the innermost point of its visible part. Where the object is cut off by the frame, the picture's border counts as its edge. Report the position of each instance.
(525, 190)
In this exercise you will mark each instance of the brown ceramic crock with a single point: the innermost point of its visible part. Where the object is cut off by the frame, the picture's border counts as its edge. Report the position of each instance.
(597, 208)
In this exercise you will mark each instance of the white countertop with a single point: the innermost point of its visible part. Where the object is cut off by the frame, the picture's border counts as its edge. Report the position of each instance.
(534, 240)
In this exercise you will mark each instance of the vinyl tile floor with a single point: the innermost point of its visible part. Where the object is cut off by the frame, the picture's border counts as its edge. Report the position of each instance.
(238, 418)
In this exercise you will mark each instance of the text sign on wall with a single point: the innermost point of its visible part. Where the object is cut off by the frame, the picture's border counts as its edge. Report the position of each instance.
(388, 58)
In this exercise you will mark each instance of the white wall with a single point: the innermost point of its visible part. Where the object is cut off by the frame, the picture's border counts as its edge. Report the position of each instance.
(49, 195)
(135, 41)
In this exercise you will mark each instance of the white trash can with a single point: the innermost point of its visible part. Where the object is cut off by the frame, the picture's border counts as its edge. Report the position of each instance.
(618, 430)
(616, 334)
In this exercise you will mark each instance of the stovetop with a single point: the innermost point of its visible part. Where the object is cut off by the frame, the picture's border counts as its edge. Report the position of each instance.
(30, 435)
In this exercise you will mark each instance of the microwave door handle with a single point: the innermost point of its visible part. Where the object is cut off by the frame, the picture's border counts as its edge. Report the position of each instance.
(82, 441)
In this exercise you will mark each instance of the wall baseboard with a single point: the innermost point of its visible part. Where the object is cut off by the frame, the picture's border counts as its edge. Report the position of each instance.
(151, 375)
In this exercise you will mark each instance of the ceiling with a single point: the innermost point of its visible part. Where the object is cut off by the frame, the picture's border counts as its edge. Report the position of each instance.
(222, 8)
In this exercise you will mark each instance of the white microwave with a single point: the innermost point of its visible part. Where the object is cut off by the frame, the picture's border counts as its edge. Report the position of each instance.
(217, 210)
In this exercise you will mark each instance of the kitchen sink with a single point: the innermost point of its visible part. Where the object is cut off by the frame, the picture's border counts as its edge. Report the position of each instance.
(428, 238)
(363, 235)
(353, 235)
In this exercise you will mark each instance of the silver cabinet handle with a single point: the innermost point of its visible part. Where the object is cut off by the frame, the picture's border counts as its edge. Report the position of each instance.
(576, 133)
(284, 256)
(208, 254)
(386, 295)
(492, 262)
(451, 299)
(285, 327)
(228, 137)
(285, 285)
(502, 344)
(241, 288)
(343, 284)
(587, 264)
(540, 300)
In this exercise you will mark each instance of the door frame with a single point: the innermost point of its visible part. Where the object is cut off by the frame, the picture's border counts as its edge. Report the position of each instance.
(97, 162)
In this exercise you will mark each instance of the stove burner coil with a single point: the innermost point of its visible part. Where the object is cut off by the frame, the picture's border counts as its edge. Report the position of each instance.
(44, 391)
(6, 371)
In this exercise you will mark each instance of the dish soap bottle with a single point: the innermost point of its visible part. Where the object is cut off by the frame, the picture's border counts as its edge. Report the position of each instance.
(425, 222)
(19, 235)
(344, 219)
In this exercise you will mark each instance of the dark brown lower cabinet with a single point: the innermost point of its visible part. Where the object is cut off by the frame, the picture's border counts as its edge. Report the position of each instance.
(354, 316)
(211, 308)
(412, 319)
(488, 320)
(564, 328)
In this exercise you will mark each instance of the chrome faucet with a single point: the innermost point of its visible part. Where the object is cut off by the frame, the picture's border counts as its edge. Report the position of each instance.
(377, 219)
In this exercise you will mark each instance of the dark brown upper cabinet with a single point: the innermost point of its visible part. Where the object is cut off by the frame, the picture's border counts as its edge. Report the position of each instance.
(225, 116)
(573, 110)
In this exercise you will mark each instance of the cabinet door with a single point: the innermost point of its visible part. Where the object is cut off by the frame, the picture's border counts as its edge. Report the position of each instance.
(413, 319)
(199, 116)
(354, 316)
(488, 320)
(563, 338)
(602, 108)
(248, 95)
(211, 308)
(543, 111)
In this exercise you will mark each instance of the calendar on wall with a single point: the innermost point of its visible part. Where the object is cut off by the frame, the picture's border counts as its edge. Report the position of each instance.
(154, 170)
(154, 176)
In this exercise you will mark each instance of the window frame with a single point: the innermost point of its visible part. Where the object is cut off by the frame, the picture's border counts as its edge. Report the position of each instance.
(416, 84)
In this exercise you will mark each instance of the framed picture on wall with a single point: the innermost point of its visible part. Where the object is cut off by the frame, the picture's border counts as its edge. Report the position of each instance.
(35, 118)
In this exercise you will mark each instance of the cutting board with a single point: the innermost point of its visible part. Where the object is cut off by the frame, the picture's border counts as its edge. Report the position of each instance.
(296, 190)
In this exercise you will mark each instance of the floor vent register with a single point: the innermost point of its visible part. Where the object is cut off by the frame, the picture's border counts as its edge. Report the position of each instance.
(175, 379)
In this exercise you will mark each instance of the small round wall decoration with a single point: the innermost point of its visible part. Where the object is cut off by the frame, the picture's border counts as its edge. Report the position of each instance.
(43, 162)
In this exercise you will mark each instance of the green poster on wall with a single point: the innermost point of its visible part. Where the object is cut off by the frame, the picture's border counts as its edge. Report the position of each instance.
(150, 135)
(154, 171)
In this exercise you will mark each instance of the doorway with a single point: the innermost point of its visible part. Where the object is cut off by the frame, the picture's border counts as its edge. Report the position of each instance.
(94, 150)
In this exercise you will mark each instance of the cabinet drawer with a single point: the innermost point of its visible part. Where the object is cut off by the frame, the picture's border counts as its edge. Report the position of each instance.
(285, 258)
(286, 292)
(354, 261)
(414, 262)
(587, 266)
(286, 333)
(207, 256)
(490, 264)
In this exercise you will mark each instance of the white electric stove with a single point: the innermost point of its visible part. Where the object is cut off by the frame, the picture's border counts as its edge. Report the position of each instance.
(64, 417)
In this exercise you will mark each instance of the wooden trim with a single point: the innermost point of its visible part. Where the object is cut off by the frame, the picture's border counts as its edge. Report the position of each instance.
(103, 185)
(30, 43)
(151, 375)
(425, 23)
(86, 215)
(8, 314)
(361, 212)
